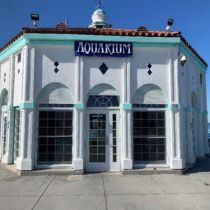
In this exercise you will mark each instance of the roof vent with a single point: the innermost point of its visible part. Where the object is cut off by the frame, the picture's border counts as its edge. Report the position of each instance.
(61, 26)
(142, 28)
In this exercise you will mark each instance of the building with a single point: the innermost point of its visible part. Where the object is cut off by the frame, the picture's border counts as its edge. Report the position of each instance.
(101, 99)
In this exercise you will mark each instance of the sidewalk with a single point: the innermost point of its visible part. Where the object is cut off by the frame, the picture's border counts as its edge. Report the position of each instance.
(107, 191)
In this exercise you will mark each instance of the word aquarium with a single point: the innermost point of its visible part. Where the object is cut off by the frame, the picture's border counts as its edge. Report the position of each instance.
(112, 49)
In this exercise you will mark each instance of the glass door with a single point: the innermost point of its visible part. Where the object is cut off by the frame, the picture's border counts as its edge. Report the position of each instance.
(97, 142)
(103, 145)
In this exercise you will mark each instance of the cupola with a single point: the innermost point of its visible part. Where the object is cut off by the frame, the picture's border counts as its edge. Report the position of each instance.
(99, 19)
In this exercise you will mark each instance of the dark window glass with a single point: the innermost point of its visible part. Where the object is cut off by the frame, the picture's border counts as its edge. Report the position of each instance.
(97, 138)
(103, 101)
(19, 57)
(17, 134)
(149, 136)
(55, 137)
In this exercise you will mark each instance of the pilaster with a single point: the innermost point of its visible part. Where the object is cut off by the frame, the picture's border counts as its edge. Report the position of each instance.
(175, 114)
(25, 161)
(10, 111)
(126, 119)
(78, 137)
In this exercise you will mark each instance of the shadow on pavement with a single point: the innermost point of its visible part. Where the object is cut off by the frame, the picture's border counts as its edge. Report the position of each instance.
(201, 165)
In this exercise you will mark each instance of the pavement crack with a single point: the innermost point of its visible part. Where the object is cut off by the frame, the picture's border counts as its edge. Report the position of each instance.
(42, 193)
(158, 184)
(105, 198)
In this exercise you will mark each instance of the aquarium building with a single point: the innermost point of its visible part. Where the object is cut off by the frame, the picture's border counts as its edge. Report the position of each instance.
(101, 99)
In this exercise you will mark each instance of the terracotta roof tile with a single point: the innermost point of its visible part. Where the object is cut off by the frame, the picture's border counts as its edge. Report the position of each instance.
(62, 29)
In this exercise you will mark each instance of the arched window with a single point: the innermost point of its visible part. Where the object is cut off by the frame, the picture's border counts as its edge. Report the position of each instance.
(102, 101)
(55, 125)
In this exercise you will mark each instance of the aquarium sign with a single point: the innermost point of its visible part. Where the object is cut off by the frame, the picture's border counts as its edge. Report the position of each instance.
(109, 49)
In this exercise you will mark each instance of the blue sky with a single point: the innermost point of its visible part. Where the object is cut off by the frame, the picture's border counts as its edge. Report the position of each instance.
(192, 18)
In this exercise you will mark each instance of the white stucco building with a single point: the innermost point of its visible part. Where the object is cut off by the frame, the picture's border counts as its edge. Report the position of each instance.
(101, 99)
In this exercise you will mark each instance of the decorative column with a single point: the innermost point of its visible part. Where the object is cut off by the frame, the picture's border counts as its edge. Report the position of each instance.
(10, 114)
(78, 139)
(177, 156)
(27, 112)
(126, 118)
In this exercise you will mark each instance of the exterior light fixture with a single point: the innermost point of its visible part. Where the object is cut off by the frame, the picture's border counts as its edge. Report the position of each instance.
(169, 24)
(35, 18)
(182, 59)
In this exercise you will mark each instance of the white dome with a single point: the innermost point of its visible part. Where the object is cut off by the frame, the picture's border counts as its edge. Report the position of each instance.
(99, 19)
(99, 16)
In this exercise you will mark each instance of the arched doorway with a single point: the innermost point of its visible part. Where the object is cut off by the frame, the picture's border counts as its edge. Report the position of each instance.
(103, 146)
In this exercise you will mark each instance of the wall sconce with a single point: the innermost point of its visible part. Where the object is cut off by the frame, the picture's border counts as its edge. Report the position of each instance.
(182, 59)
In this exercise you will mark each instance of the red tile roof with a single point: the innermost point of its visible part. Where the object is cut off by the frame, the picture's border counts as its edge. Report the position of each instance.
(142, 32)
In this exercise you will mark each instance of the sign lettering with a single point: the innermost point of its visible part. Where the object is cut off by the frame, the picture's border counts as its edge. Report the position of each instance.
(111, 49)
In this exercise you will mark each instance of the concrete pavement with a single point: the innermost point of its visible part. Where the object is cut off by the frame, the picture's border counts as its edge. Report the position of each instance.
(106, 191)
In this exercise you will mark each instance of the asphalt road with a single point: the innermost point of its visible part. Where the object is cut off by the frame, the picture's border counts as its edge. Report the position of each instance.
(107, 191)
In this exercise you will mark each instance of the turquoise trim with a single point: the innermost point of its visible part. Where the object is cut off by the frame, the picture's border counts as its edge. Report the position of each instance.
(13, 48)
(53, 42)
(126, 106)
(181, 107)
(170, 107)
(9, 108)
(27, 105)
(184, 49)
(71, 43)
(79, 106)
(64, 37)
(161, 45)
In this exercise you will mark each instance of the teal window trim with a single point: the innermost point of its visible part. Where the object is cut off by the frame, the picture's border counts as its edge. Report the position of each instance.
(10, 108)
(26, 105)
(126, 106)
(185, 108)
(79, 106)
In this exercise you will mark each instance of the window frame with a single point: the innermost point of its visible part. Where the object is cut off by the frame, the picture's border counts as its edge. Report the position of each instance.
(51, 165)
(140, 162)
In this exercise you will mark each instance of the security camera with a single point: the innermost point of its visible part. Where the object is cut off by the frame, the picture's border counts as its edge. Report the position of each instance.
(182, 59)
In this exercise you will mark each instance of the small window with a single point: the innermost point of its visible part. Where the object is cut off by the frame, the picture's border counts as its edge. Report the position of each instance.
(201, 79)
(19, 57)
(102, 101)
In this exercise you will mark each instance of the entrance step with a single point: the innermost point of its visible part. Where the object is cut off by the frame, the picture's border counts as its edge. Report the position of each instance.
(43, 172)
(57, 171)
(151, 171)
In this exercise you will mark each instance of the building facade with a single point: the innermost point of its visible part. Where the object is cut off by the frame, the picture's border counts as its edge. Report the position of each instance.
(101, 99)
